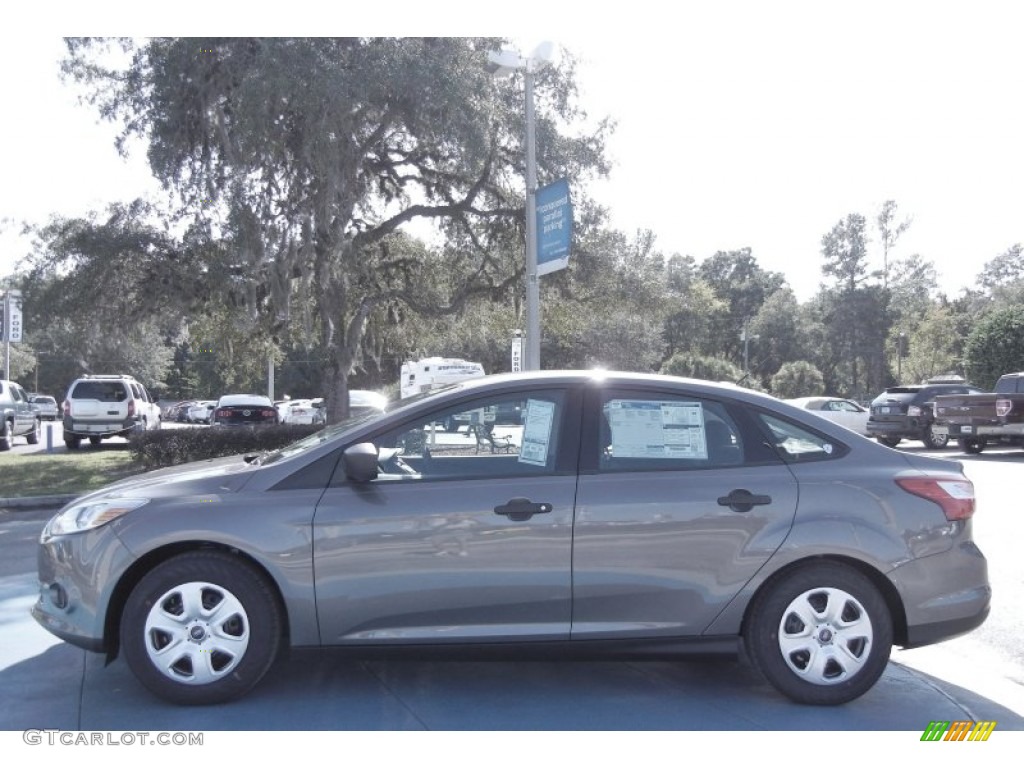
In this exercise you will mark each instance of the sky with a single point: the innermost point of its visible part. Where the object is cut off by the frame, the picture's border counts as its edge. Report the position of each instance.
(738, 124)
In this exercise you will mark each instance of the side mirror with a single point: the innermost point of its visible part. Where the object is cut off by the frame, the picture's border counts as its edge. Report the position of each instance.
(361, 462)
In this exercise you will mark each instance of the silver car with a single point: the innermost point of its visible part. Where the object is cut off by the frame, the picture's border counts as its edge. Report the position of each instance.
(629, 514)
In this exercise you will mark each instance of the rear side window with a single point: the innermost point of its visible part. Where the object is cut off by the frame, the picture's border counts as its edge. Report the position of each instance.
(1010, 385)
(796, 444)
(644, 431)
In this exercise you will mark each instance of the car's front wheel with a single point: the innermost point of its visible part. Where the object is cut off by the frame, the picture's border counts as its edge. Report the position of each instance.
(932, 438)
(201, 628)
(821, 634)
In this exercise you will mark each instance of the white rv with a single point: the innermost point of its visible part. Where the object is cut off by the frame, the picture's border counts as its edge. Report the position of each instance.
(431, 372)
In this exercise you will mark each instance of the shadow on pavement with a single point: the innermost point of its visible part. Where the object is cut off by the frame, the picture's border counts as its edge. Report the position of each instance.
(67, 688)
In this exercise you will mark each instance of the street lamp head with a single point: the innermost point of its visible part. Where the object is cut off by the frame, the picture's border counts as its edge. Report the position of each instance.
(543, 55)
(504, 63)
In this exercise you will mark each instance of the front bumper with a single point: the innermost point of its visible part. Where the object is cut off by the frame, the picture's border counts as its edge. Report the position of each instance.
(77, 574)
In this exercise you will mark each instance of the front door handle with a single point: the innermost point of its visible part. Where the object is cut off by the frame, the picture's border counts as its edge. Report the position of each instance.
(742, 500)
(522, 509)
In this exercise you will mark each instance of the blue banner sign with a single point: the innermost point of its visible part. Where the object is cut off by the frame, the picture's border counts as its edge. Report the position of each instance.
(554, 227)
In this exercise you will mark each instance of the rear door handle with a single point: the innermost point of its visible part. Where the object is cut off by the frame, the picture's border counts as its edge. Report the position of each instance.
(742, 500)
(520, 509)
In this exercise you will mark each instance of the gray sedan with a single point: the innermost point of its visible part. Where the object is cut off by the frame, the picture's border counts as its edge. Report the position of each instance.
(625, 514)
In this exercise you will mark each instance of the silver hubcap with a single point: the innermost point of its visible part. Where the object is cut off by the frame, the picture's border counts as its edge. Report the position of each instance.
(196, 633)
(825, 636)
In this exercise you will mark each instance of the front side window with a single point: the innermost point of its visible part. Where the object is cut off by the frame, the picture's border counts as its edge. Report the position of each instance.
(504, 435)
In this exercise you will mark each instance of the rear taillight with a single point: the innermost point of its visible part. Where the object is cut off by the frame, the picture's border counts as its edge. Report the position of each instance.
(221, 413)
(67, 407)
(954, 493)
(1003, 406)
(131, 408)
(913, 411)
(268, 413)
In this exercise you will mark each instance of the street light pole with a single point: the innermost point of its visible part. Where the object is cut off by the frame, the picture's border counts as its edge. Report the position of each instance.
(532, 361)
(503, 64)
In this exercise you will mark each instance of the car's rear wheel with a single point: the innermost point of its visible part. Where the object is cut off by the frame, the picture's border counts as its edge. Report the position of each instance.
(821, 634)
(95, 440)
(892, 442)
(72, 442)
(6, 436)
(201, 628)
(934, 439)
(971, 444)
(33, 436)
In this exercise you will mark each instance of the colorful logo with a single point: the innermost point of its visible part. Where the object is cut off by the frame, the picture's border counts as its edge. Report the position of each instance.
(958, 730)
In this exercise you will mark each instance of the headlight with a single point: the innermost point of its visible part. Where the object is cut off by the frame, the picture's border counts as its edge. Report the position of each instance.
(92, 514)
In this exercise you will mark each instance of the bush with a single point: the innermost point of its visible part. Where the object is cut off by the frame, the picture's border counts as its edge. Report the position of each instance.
(168, 447)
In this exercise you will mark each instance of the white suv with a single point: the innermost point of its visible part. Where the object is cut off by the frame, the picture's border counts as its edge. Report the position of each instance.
(98, 407)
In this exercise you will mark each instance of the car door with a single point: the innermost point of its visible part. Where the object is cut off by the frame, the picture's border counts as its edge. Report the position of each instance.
(680, 502)
(23, 414)
(457, 539)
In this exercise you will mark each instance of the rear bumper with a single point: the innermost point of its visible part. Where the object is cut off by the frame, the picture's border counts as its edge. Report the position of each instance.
(944, 595)
(100, 428)
(985, 430)
(910, 429)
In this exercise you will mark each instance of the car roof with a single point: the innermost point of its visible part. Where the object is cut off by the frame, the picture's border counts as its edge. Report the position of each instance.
(606, 378)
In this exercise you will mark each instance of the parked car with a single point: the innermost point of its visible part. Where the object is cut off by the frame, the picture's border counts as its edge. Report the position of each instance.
(977, 420)
(103, 406)
(296, 412)
(849, 413)
(200, 412)
(626, 513)
(45, 407)
(19, 420)
(243, 411)
(905, 413)
(360, 403)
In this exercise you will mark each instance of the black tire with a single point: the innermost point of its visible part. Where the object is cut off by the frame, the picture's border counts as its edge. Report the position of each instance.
(95, 440)
(236, 657)
(932, 440)
(971, 444)
(72, 442)
(6, 436)
(840, 658)
(33, 436)
(892, 442)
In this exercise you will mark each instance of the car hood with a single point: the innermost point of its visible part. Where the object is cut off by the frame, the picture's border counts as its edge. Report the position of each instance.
(226, 474)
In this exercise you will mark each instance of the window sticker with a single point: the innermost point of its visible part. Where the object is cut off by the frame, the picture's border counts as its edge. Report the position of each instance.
(651, 429)
(540, 415)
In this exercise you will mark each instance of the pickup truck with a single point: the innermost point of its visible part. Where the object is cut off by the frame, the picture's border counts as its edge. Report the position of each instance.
(975, 421)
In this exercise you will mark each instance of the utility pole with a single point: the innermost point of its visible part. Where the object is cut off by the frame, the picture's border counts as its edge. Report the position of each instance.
(745, 337)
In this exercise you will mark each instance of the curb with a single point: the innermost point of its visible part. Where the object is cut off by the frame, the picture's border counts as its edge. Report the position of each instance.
(32, 502)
